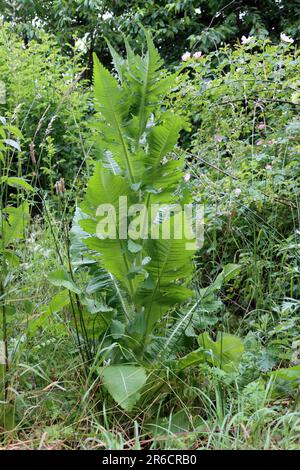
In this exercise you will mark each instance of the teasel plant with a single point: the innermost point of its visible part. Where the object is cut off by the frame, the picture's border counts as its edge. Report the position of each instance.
(137, 281)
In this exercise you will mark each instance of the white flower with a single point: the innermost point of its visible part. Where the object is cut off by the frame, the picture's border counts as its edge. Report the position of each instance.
(187, 177)
(237, 191)
(268, 167)
(107, 15)
(186, 56)
(246, 40)
(197, 55)
(286, 38)
(80, 45)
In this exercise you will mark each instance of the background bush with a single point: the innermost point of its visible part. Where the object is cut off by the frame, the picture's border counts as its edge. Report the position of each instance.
(47, 98)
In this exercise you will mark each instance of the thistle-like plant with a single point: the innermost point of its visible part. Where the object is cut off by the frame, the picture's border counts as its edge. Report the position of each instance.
(135, 166)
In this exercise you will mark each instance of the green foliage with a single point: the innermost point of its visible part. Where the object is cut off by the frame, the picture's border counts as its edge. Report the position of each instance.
(123, 382)
(12, 227)
(134, 343)
(13, 223)
(224, 353)
(62, 279)
(243, 162)
(133, 141)
(285, 381)
(244, 158)
(200, 24)
(45, 97)
(137, 150)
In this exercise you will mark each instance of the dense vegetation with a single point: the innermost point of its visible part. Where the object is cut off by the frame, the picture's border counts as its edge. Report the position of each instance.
(136, 341)
(176, 25)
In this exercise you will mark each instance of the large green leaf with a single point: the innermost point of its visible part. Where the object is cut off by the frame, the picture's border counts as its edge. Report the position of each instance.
(191, 359)
(61, 278)
(104, 188)
(107, 188)
(289, 374)
(168, 271)
(162, 139)
(146, 82)
(285, 381)
(124, 383)
(56, 304)
(229, 271)
(224, 353)
(13, 222)
(114, 109)
(15, 181)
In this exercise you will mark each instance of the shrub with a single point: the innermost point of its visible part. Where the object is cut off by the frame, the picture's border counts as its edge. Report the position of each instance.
(244, 161)
(46, 97)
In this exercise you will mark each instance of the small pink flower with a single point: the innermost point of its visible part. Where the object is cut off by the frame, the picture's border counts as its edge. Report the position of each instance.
(187, 177)
(237, 191)
(259, 142)
(218, 137)
(197, 55)
(271, 142)
(261, 126)
(186, 56)
(268, 167)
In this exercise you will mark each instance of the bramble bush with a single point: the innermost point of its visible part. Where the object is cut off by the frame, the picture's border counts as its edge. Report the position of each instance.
(243, 158)
(243, 163)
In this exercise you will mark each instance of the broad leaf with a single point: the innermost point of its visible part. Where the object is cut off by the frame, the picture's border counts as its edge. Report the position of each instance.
(14, 221)
(124, 384)
(225, 352)
(15, 181)
(61, 278)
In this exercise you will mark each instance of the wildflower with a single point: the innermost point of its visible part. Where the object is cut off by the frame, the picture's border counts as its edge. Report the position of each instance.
(268, 167)
(80, 45)
(259, 142)
(60, 186)
(187, 177)
(237, 191)
(107, 16)
(246, 40)
(261, 126)
(32, 153)
(218, 138)
(286, 38)
(50, 125)
(186, 56)
(271, 142)
(197, 55)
